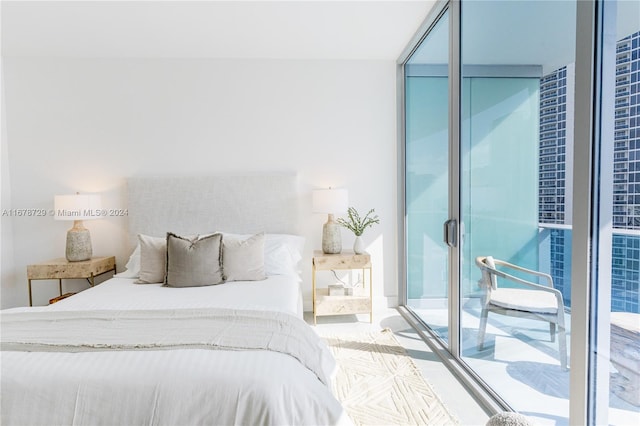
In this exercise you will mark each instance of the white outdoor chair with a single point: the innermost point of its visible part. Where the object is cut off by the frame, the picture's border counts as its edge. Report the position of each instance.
(529, 300)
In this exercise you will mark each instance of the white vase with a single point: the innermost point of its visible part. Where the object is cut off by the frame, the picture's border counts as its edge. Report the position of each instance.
(358, 245)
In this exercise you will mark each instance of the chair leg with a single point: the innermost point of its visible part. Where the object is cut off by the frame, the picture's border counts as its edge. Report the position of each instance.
(483, 328)
(562, 342)
(552, 331)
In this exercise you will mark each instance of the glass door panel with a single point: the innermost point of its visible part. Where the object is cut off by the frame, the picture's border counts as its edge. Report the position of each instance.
(516, 115)
(427, 174)
(615, 345)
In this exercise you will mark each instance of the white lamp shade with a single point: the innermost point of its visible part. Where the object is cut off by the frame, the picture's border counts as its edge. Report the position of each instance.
(77, 207)
(330, 200)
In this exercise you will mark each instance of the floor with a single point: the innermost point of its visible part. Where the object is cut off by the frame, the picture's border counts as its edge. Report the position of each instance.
(521, 363)
(455, 396)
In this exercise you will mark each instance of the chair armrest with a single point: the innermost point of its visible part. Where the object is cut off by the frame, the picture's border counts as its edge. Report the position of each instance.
(529, 284)
(525, 270)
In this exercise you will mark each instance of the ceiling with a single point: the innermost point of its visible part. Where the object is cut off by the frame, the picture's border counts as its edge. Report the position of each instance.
(295, 29)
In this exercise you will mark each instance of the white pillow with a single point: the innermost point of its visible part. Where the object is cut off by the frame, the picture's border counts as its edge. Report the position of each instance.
(132, 268)
(243, 258)
(282, 252)
(153, 259)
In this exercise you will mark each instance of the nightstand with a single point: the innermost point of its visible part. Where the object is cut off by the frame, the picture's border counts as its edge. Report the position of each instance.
(59, 269)
(358, 303)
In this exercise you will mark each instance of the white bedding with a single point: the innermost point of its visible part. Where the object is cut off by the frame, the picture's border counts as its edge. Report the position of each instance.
(168, 387)
(277, 293)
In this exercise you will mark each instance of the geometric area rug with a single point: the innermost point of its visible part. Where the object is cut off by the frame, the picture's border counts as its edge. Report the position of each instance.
(378, 383)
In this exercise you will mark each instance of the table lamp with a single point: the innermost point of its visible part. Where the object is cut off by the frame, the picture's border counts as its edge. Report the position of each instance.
(330, 201)
(77, 207)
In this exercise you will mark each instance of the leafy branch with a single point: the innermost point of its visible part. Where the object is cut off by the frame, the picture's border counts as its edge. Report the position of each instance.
(355, 223)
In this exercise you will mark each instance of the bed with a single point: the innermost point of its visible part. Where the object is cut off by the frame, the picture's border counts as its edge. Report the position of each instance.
(125, 352)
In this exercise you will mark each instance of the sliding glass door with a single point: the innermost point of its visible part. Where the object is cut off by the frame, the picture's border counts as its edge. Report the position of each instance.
(531, 146)
(514, 112)
(427, 174)
(517, 60)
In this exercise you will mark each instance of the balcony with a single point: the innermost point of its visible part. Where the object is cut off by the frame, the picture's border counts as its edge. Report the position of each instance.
(519, 359)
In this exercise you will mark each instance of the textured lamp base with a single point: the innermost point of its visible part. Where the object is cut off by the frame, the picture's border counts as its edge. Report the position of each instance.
(78, 243)
(331, 238)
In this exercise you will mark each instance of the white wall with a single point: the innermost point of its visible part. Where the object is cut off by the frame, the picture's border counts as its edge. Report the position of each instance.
(6, 229)
(87, 124)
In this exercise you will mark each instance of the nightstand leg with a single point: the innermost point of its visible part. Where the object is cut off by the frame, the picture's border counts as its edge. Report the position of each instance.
(313, 292)
(370, 294)
(60, 285)
(30, 298)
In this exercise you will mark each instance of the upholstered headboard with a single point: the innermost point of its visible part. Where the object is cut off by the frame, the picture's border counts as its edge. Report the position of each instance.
(196, 205)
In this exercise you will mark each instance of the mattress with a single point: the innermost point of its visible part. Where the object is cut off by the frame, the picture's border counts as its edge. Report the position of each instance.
(169, 386)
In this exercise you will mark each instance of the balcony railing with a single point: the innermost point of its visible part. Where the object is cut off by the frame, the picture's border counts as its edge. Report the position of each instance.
(554, 244)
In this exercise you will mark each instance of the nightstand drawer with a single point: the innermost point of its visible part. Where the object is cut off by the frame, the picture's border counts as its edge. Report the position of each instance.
(62, 268)
(59, 269)
(341, 305)
(345, 260)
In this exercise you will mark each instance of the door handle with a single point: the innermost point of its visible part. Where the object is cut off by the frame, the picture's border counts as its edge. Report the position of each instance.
(450, 236)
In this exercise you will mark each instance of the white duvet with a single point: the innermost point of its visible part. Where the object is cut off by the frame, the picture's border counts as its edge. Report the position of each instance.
(166, 387)
(277, 293)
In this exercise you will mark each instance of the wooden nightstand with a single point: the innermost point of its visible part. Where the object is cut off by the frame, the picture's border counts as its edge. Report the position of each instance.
(359, 302)
(63, 269)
